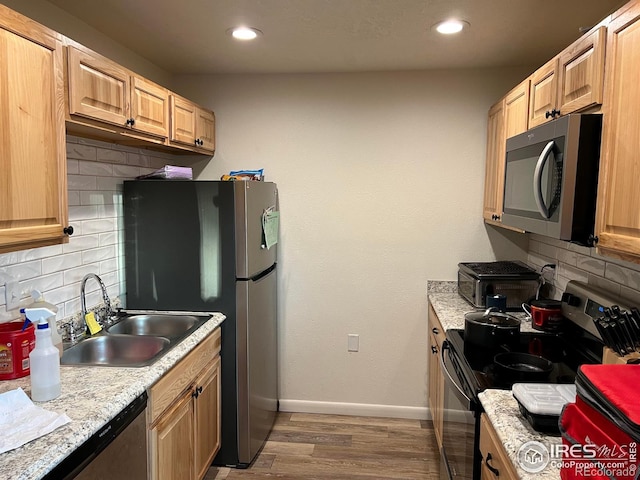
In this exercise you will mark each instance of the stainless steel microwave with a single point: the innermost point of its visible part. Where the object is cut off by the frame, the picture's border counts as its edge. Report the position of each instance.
(551, 178)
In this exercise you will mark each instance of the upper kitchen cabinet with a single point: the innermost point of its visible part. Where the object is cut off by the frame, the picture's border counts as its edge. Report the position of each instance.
(543, 93)
(192, 125)
(33, 184)
(494, 170)
(618, 212)
(516, 110)
(570, 82)
(103, 91)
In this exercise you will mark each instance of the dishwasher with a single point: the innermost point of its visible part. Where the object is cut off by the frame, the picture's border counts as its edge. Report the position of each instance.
(117, 450)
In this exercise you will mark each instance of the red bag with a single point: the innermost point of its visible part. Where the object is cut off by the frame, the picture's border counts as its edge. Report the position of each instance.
(600, 431)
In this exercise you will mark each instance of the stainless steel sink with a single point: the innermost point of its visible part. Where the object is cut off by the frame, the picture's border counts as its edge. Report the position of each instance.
(116, 350)
(159, 325)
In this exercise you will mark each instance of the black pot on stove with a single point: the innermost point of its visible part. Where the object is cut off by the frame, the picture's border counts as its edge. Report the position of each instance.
(490, 328)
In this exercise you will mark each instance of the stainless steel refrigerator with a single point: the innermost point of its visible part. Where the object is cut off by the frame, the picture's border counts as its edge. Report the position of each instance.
(201, 246)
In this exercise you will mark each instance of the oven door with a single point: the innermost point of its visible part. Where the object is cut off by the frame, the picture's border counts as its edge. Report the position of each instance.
(460, 452)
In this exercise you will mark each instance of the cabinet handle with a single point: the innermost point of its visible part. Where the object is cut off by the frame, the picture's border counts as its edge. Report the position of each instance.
(435, 331)
(592, 240)
(553, 113)
(494, 470)
(131, 122)
(68, 230)
(196, 392)
(434, 350)
(199, 142)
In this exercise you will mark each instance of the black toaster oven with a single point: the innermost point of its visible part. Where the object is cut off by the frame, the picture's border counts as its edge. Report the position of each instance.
(513, 279)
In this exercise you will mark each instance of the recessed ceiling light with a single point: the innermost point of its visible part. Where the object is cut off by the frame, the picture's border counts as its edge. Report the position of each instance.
(449, 27)
(244, 33)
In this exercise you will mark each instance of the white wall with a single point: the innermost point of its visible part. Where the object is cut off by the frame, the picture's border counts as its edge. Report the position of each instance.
(381, 181)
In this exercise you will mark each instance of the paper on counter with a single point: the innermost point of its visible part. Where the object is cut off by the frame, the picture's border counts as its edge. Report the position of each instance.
(21, 421)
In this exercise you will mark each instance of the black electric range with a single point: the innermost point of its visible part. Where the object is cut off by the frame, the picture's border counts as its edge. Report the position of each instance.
(468, 370)
(566, 351)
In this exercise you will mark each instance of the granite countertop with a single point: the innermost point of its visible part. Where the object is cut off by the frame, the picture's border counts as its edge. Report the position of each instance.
(451, 307)
(91, 396)
(513, 431)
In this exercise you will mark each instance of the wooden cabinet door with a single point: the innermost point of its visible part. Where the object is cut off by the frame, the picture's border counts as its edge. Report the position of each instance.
(543, 93)
(618, 212)
(495, 162)
(98, 87)
(171, 442)
(183, 121)
(436, 375)
(33, 182)
(149, 107)
(205, 130)
(495, 461)
(581, 72)
(516, 110)
(207, 413)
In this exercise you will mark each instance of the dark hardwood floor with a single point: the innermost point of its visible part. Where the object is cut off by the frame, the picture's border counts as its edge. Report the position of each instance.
(306, 446)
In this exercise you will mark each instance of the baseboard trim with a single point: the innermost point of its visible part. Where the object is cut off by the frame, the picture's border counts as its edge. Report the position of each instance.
(358, 409)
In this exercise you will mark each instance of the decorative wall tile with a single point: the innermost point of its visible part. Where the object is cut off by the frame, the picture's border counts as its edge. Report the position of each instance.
(86, 212)
(25, 270)
(108, 211)
(81, 243)
(61, 262)
(590, 264)
(81, 182)
(73, 198)
(112, 156)
(76, 274)
(98, 226)
(98, 198)
(109, 183)
(72, 167)
(109, 238)
(81, 152)
(97, 255)
(622, 275)
(95, 168)
(127, 171)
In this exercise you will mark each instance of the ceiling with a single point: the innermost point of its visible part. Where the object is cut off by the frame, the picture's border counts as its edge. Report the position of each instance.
(188, 36)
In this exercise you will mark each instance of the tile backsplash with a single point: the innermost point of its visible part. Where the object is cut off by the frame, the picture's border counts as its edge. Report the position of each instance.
(576, 262)
(95, 173)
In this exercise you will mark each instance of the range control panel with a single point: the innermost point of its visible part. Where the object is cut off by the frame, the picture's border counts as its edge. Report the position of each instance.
(603, 314)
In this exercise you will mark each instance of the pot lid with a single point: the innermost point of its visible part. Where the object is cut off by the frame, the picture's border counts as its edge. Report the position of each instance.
(491, 317)
(544, 303)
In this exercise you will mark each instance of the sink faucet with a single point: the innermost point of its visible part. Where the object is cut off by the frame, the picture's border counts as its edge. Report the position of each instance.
(105, 296)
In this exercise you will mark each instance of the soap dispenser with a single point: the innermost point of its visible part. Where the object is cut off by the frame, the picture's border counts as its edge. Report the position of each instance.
(44, 359)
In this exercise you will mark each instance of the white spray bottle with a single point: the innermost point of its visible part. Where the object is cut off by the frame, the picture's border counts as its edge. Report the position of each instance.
(44, 359)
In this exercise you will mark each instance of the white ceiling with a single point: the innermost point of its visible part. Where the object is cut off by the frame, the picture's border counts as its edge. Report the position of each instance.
(189, 36)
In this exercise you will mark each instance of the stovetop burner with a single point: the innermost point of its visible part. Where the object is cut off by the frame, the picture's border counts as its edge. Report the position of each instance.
(565, 355)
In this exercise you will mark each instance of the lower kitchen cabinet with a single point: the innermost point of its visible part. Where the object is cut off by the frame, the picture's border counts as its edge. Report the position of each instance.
(184, 415)
(436, 375)
(495, 462)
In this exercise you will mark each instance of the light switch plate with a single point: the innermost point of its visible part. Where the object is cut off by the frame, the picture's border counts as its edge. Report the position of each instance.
(353, 342)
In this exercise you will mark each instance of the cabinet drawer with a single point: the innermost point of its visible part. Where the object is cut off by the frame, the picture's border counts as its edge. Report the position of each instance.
(182, 375)
(492, 451)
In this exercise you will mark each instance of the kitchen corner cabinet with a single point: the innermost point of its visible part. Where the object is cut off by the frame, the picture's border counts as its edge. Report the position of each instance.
(494, 167)
(33, 184)
(183, 415)
(570, 82)
(618, 207)
(102, 90)
(192, 125)
(436, 375)
(495, 462)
